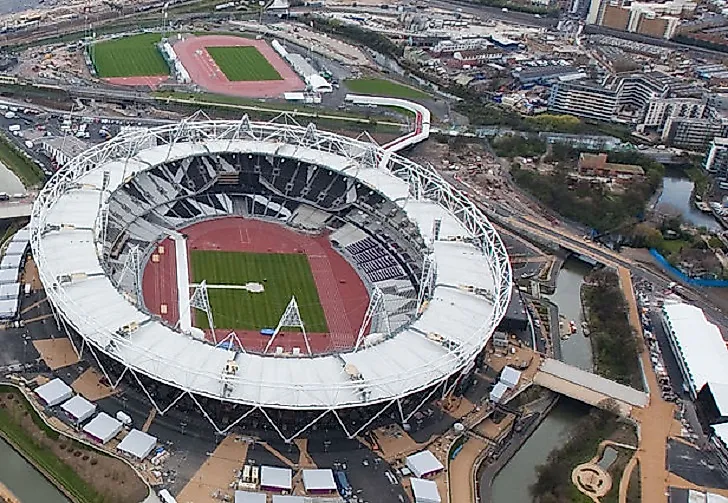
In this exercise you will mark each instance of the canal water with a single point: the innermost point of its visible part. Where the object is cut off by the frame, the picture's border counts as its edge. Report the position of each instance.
(24, 481)
(512, 484)
(576, 350)
(675, 196)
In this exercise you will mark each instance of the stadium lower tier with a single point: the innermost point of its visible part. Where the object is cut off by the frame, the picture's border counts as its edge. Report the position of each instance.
(194, 414)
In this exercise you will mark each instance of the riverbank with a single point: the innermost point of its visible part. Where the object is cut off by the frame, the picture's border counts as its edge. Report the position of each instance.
(6, 496)
(82, 473)
(485, 475)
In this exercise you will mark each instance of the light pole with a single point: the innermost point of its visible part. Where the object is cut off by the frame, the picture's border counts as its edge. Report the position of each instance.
(261, 4)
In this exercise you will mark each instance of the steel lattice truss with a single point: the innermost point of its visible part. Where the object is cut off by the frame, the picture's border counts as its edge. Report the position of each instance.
(428, 378)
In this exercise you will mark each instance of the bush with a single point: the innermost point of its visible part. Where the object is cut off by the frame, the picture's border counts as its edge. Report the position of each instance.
(518, 146)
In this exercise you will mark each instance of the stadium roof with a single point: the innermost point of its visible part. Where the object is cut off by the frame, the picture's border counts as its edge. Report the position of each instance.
(8, 276)
(720, 396)
(411, 360)
(699, 343)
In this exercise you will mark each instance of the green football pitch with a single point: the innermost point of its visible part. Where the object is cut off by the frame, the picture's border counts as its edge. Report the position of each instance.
(281, 274)
(241, 63)
(134, 56)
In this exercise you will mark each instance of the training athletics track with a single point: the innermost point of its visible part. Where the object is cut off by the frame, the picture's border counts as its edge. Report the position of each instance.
(192, 53)
(343, 296)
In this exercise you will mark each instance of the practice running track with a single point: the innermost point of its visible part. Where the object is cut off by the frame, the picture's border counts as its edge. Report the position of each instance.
(343, 296)
(192, 53)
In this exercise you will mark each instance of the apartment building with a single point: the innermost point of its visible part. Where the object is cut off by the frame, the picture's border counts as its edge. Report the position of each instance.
(716, 160)
(653, 19)
(621, 98)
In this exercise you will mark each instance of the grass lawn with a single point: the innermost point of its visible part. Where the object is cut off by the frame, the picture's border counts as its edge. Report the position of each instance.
(40, 455)
(281, 274)
(134, 56)
(383, 87)
(243, 63)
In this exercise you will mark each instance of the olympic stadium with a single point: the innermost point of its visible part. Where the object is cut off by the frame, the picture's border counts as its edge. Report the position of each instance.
(407, 277)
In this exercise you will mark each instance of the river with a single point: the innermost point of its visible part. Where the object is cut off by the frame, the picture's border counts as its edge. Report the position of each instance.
(24, 480)
(675, 196)
(512, 483)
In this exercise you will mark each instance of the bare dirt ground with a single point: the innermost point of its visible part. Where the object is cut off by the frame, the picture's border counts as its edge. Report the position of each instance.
(107, 475)
(57, 353)
(88, 384)
(216, 474)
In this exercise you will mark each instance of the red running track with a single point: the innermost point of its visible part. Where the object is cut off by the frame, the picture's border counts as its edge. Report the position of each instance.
(203, 70)
(343, 296)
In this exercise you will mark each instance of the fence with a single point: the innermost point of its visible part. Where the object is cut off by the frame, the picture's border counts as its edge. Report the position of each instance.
(715, 283)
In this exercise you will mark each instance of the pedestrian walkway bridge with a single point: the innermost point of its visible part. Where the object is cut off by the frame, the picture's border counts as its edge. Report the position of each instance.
(587, 387)
(10, 210)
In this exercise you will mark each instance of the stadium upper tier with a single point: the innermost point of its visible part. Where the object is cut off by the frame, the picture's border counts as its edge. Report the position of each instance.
(468, 293)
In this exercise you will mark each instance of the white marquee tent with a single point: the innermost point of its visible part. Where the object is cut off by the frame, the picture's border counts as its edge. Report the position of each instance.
(79, 409)
(318, 480)
(423, 463)
(54, 392)
(248, 497)
(277, 498)
(498, 391)
(8, 276)
(510, 376)
(273, 478)
(137, 444)
(103, 428)
(9, 308)
(425, 491)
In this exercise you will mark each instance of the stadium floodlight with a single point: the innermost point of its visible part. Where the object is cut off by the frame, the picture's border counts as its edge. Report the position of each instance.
(291, 319)
(201, 301)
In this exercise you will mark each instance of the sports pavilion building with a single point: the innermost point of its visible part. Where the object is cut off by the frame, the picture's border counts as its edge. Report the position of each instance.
(446, 282)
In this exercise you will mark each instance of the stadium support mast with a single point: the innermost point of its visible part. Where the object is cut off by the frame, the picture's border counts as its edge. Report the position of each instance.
(291, 318)
(427, 280)
(376, 316)
(133, 266)
(201, 301)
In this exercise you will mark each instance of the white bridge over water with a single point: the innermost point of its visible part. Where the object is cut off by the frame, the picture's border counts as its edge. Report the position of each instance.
(587, 387)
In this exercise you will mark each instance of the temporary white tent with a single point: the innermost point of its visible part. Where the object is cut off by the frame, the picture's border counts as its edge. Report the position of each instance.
(137, 444)
(79, 409)
(423, 463)
(9, 308)
(510, 376)
(54, 392)
(8, 276)
(248, 497)
(272, 478)
(103, 428)
(278, 498)
(425, 491)
(9, 290)
(319, 481)
(496, 394)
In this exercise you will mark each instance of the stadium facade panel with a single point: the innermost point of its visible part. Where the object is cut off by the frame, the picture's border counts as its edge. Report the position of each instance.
(137, 188)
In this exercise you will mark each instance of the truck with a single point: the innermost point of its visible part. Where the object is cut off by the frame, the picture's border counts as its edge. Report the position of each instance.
(27, 289)
(342, 484)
